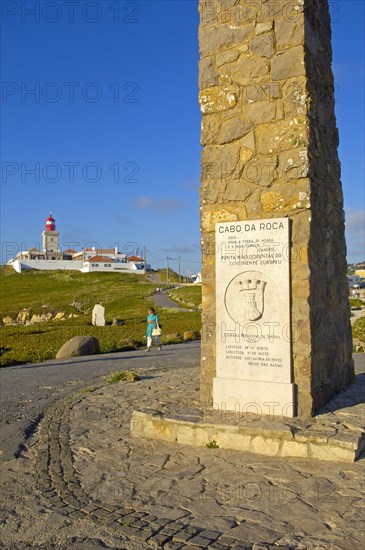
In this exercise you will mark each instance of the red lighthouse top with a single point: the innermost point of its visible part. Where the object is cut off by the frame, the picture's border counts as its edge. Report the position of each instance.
(50, 223)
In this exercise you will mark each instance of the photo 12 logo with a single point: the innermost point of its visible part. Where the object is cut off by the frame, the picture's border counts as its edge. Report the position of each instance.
(247, 11)
(263, 491)
(69, 11)
(240, 13)
(10, 249)
(252, 332)
(69, 172)
(69, 92)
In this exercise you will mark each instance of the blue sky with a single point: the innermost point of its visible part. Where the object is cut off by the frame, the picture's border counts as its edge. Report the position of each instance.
(109, 139)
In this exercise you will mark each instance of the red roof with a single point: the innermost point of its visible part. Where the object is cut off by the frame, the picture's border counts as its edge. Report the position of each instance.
(102, 259)
(135, 259)
(69, 251)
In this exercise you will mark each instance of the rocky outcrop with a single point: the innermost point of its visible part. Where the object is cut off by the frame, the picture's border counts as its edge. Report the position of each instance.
(43, 318)
(59, 315)
(25, 318)
(7, 320)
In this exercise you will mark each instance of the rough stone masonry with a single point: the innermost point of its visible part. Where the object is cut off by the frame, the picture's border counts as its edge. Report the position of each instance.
(270, 142)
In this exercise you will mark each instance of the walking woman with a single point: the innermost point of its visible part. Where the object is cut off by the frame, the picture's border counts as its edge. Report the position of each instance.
(152, 323)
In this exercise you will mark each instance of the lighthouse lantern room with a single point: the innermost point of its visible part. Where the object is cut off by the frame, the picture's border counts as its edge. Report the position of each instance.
(50, 223)
(50, 237)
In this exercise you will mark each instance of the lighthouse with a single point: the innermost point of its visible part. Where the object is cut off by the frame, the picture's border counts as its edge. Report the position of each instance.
(50, 239)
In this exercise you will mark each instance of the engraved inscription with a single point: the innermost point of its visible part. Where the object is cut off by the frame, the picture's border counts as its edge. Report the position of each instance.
(253, 305)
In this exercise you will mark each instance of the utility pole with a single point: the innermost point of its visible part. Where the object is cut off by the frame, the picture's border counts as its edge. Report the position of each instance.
(145, 258)
(179, 269)
(167, 270)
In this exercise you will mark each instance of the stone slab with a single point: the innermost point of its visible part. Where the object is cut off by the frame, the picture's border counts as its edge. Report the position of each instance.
(253, 343)
(254, 396)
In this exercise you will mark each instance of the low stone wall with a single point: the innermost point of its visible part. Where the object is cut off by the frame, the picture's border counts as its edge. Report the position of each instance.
(277, 439)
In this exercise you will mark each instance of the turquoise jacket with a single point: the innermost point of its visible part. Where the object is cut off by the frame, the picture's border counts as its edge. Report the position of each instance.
(151, 326)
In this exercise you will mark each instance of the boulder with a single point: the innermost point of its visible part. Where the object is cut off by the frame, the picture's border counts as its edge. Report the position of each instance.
(42, 318)
(59, 315)
(79, 345)
(117, 323)
(23, 317)
(36, 319)
(191, 335)
(7, 320)
(46, 316)
(129, 344)
(173, 338)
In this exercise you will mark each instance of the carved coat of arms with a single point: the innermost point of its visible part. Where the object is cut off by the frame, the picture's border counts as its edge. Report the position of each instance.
(251, 292)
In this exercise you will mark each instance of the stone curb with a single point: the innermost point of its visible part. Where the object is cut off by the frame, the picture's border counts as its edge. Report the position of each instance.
(320, 443)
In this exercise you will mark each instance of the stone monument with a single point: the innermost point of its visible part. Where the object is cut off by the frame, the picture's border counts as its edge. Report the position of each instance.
(98, 315)
(276, 333)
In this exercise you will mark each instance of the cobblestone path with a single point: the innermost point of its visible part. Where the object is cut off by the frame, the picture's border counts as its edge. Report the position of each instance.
(58, 482)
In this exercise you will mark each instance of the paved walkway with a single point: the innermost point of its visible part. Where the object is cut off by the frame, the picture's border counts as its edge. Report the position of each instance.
(162, 300)
(85, 483)
(26, 390)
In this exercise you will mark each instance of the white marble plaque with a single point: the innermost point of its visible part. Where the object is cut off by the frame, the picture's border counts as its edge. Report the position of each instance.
(253, 353)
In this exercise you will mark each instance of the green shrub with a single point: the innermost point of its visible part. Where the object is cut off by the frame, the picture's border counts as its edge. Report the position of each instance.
(355, 302)
(212, 445)
(124, 375)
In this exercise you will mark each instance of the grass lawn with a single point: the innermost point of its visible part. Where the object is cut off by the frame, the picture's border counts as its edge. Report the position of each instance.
(42, 291)
(358, 332)
(358, 329)
(125, 297)
(356, 302)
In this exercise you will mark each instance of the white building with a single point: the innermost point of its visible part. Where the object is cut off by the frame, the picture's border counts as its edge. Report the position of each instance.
(197, 278)
(86, 260)
(110, 253)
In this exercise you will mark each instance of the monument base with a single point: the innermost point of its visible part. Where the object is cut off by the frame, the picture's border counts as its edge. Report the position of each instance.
(318, 441)
(254, 396)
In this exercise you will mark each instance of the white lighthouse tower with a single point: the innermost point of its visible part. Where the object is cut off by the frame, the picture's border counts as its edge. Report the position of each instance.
(50, 236)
